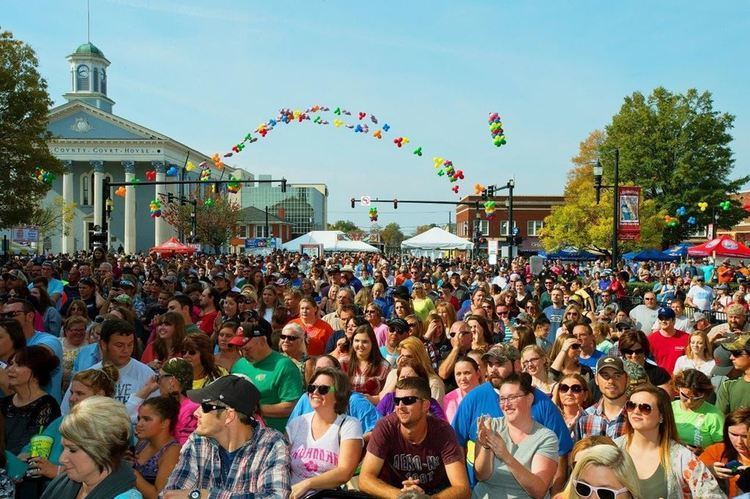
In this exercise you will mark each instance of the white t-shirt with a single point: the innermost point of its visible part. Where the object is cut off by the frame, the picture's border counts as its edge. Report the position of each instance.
(683, 363)
(701, 297)
(132, 378)
(312, 457)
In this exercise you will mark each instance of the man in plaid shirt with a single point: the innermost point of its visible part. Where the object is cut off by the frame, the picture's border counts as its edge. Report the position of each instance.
(229, 456)
(607, 417)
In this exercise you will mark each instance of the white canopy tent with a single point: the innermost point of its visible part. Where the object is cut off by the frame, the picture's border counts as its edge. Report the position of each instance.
(434, 243)
(330, 240)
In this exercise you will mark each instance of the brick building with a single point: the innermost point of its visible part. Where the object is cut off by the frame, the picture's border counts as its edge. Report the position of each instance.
(528, 216)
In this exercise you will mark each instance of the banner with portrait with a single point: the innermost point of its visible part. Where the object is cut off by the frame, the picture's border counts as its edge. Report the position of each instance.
(629, 207)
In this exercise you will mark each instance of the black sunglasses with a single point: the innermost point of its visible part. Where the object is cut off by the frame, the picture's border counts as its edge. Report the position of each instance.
(207, 407)
(288, 337)
(736, 353)
(408, 400)
(321, 389)
(573, 388)
(644, 408)
(626, 351)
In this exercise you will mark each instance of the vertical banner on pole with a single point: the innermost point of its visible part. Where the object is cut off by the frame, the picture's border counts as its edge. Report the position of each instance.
(629, 224)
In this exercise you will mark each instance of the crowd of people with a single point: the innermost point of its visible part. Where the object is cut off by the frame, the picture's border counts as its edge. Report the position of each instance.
(358, 375)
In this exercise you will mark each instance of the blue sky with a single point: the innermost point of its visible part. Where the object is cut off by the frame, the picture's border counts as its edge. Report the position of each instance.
(206, 73)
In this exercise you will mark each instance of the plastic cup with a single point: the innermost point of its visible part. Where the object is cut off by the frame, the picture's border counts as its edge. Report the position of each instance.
(41, 446)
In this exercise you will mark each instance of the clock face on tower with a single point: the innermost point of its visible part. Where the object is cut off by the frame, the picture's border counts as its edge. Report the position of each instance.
(83, 71)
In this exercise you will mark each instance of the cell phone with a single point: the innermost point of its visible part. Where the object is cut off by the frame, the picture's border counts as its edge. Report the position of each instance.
(733, 465)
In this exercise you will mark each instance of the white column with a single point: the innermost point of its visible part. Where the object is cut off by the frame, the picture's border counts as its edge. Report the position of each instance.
(98, 192)
(129, 167)
(68, 232)
(160, 225)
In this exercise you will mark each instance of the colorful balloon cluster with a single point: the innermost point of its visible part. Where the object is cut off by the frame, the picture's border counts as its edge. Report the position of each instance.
(489, 207)
(208, 202)
(155, 207)
(340, 117)
(671, 221)
(44, 176)
(121, 191)
(373, 214)
(691, 220)
(496, 130)
(234, 186)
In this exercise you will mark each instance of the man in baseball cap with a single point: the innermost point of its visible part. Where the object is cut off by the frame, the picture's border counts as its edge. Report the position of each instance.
(606, 417)
(735, 393)
(229, 439)
(275, 375)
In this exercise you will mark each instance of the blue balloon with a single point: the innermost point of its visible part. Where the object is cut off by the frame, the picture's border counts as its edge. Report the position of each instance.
(681, 211)
(172, 171)
(691, 221)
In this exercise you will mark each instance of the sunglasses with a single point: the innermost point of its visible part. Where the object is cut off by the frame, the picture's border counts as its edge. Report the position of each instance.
(572, 388)
(692, 399)
(737, 353)
(626, 351)
(645, 409)
(288, 337)
(10, 315)
(585, 490)
(460, 333)
(321, 389)
(207, 407)
(408, 400)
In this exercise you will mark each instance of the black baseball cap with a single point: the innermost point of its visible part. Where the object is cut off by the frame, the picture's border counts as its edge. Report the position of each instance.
(236, 392)
(399, 325)
(247, 331)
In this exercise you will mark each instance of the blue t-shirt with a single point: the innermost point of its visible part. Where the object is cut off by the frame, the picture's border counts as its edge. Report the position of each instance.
(87, 356)
(359, 407)
(591, 361)
(555, 316)
(484, 400)
(54, 388)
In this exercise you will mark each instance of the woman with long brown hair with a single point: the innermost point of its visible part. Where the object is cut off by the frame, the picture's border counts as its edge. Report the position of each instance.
(367, 368)
(196, 349)
(170, 337)
(732, 448)
(665, 467)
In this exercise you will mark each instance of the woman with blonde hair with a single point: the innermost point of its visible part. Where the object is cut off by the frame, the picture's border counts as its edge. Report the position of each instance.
(601, 331)
(572, 313)
(535, 362)
(564, 357)
(664, 467)
(413, 348)
(363, 297)
(447, 313)
(602, 471)
(421, 303)
(698, 355)
(93, 453)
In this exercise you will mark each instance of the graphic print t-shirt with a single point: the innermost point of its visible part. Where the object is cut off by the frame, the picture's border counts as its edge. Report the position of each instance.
(425, 462)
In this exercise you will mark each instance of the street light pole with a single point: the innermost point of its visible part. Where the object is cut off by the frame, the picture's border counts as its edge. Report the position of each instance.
(598, 171)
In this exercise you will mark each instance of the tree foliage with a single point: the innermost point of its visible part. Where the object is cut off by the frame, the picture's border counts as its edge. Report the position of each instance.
(54, 219)
(345, 226)
(423, 228)
(580, 221)
(24, 102)
(392, 236)
(676, 146)
(216, 220)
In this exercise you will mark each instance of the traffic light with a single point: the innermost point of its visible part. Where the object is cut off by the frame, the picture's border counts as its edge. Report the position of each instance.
(491, 191)
(353, 201)
(484, 194)
(395, 204)
(283, 186)
(170, 197)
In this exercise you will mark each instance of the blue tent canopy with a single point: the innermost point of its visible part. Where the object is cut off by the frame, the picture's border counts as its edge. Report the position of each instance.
(679, 250)
(650, 255)
(570, 253)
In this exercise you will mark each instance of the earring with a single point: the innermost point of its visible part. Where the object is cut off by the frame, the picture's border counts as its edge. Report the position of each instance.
(661, 420)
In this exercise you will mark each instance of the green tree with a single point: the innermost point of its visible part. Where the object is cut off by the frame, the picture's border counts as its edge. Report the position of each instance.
(53, 219)
(216, 218)
(344, 226)
(24, 102)
(676, 147)
(424, 228)
(580, 222)
(392, 236)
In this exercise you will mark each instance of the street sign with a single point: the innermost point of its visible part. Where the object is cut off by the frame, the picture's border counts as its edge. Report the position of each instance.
(25, 234)
(365, 201)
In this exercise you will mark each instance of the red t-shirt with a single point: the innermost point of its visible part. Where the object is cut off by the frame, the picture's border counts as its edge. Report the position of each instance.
(206, 322)
(404, 460)
(667, 349)
(317, 335)
(618, 289)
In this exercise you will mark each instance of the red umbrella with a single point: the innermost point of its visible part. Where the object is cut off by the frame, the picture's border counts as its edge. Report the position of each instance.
(172, 245)
(721, 246)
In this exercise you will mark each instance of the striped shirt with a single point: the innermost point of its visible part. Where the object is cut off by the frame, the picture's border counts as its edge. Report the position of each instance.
(593, 421)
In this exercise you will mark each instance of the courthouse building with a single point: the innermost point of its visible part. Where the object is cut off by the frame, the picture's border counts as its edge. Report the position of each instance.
(93, 143)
